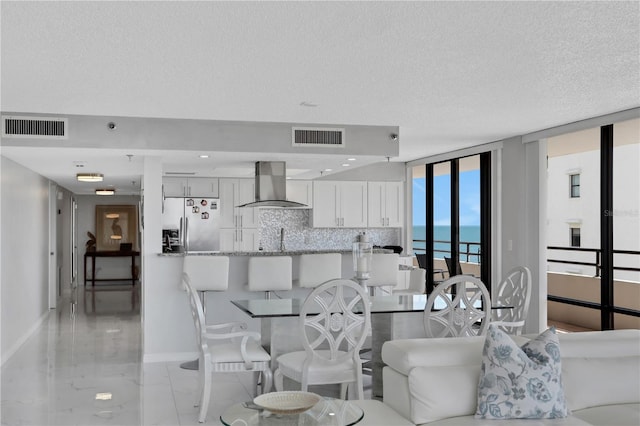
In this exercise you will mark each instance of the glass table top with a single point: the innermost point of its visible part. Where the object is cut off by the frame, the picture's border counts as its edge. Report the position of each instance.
(328, 412)
(264, 308)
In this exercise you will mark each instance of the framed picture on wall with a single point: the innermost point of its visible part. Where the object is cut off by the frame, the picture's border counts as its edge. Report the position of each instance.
(115, 225)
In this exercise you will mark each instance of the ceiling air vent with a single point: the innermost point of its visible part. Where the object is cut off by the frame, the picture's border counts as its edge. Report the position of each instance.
(34, 127)
(310, 136)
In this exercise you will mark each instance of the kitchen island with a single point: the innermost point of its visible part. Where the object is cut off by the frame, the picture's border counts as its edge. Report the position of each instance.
(167, 296)
(266, 252)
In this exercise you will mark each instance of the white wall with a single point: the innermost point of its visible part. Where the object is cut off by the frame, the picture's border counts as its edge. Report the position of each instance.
(521, 243)
(25, 246)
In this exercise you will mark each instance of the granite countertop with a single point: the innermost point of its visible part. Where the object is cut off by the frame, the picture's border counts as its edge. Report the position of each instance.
(265, 252)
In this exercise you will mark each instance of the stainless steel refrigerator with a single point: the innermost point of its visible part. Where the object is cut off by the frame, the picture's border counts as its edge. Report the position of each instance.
(197, 221)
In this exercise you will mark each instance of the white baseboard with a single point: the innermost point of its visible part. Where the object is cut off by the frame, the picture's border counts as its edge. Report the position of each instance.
(170, 357)
(12, 351)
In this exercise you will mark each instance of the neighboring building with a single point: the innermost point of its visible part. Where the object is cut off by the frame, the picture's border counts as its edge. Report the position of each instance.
(573, 209)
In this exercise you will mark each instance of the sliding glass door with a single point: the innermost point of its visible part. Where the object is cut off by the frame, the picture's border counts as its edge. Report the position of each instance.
(451, 211)
(593, 224)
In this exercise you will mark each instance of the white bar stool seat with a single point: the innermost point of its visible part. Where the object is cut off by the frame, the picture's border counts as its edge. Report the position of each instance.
(270, 273)
(207, 273)
(315, 269)
(384, 271)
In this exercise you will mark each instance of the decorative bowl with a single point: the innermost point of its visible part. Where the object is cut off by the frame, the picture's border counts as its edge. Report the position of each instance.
(288, 402)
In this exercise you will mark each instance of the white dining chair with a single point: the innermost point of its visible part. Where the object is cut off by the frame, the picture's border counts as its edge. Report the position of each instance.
(225, 348)
(458, 306)
(514, 292)
(315, 269)
(332, 335)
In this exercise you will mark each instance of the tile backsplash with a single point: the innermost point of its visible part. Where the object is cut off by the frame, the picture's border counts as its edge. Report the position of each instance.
(299, 236)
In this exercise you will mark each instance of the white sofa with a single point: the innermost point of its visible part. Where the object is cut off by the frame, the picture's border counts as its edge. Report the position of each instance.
(434, 381)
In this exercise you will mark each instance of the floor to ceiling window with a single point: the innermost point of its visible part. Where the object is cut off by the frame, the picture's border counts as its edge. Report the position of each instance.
(451, 215)
(593, 223)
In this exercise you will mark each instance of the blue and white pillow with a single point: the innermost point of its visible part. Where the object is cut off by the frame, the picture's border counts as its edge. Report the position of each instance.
(521, 382)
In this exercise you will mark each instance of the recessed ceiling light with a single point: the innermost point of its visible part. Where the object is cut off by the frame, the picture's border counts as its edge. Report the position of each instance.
(104, 396)
(351, 159)
(346, 165)
(105, 191)
(89, 177)
(328, 170)
(203, 156)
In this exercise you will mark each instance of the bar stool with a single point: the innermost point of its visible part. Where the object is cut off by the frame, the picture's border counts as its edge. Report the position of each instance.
(270, 273)
(384, 271)
(315, 269)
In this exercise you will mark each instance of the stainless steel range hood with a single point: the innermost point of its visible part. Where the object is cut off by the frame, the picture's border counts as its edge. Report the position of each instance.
(271, 186)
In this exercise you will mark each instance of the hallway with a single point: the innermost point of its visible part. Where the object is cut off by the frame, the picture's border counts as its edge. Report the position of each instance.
(83, 367)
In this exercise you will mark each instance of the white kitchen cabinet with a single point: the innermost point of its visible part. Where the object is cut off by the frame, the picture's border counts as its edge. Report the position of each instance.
(235, 239)
(204, 187)
(238, 225)
(339, 204)
(234, 192)
(300, 191)
(190, 187)
(385, 204)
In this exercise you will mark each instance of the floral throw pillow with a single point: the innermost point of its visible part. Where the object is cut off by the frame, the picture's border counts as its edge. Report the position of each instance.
(521, 382)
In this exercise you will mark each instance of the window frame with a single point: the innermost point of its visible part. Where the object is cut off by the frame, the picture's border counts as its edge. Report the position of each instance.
(574, 189)
(573, 236)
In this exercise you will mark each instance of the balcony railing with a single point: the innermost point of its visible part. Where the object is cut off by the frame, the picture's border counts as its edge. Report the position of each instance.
(598, 257)
(586, 285)
(469, 251)
(574, 291)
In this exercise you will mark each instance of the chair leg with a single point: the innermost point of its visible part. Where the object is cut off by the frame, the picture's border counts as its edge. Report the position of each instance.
(278, 380)
(256, 382)
(343, 390)
(206, 391)
(267, 380)
(358, 384)
(201, 385)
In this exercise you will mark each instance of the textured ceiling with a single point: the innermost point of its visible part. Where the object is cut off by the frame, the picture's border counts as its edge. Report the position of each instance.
(450, 74)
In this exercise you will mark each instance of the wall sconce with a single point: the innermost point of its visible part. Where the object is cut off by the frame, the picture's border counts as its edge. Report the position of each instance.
(89, 177)
(105, 191)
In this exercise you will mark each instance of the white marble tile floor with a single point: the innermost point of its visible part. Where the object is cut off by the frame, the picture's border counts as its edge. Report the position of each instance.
(90, 348)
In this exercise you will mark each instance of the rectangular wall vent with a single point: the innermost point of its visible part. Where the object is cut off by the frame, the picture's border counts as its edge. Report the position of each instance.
(34, 127)
(309, 136)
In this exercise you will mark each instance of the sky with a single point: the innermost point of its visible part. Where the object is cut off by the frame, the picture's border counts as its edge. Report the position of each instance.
(469, 199)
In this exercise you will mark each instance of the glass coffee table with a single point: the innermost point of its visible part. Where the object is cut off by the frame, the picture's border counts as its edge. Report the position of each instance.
(327, 412)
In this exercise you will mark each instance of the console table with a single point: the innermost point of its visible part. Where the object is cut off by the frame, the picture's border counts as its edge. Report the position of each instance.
(114, 253)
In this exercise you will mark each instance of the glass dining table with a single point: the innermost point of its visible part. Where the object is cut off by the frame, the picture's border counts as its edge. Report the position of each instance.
(392, 317)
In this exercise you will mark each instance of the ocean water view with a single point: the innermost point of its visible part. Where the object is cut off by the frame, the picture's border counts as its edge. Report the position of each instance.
(469, 241)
